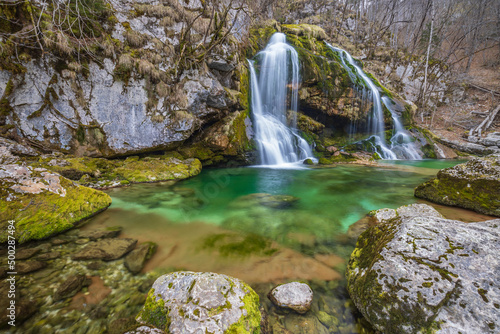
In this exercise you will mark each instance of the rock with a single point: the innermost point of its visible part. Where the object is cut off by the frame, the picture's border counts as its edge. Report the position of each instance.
(136, 259)
(220, 65)
(412, 274)
(308, 162)
(189, 302)
(296, 296)
(155, 169)
(95, 265)
(304, 324)
(49, 256)
(123, 122)
(491, 139)
(71, 286)
(26, 253)
(332, 149)
(145, 330)
(43, 203)
(105, 249)
(467, 147)
(58, 241)
(24, 308)
(109, 232)
(269, 200)
(17, 149)
(382, 215)
(473, 185)
(26, 267)
(327, 319)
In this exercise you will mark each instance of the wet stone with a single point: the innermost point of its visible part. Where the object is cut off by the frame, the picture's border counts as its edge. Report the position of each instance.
(49, 256)
(57, 241)
(110, 232)
(29, 266)
(296, 296)
(26, 253)
(105, 249)
(71, 286)
(137, 258)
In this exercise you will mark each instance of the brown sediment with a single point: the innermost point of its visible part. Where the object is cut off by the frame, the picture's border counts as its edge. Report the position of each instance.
(181, 247)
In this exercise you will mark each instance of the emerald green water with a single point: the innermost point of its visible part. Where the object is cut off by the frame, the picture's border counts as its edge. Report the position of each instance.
(329, 200)
(266, 227)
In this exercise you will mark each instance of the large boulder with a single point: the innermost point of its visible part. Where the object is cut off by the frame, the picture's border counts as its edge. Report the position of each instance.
(423, 273)
(42, 203)
(189, 302)
(473, 185)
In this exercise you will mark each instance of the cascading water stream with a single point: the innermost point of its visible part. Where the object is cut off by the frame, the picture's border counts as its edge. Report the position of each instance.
(401, 146)
(401, 142)
(273, 93)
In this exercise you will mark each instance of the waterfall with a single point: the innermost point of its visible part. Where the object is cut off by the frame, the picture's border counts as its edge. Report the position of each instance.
(401, 144)
(273, 93)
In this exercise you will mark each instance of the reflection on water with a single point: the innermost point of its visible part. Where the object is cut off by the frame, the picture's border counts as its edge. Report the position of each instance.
(267, 226)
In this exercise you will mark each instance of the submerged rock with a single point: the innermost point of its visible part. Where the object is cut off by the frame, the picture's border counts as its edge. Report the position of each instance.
(189, 302)
(296, 296)
(473, 185)
(43, 203)
(268, 200)
(71, 286)
(26, 267)
(26, 253)
(110, 232)
(137, 258)
(105, 249)
(412, 274)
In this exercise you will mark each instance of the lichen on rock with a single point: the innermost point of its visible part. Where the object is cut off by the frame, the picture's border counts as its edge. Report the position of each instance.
(189, 302)
(426, 274)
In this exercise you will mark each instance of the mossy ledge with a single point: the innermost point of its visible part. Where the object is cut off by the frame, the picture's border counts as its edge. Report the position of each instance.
(43, 204)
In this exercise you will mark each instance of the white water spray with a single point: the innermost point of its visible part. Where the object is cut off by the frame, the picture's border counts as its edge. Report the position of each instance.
(401, 144)
(273, 93)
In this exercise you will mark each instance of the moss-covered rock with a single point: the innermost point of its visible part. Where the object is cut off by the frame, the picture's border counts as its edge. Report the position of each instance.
(473, 185)
(105, 173)
(418, 273)
(42, 203)
(155, 169)
(188, 302)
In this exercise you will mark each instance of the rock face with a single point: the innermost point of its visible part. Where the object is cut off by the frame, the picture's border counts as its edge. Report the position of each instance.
(296, 296)
(132, 95)
(416, 274)
(43, 203)
(105, 249)
(474, 185)
(188, 302)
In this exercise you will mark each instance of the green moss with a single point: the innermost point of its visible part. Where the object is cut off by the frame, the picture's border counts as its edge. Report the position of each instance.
(249, 323)
(368, 252)
(478, 194)
(154, 311)
(39, 216)
(235, 245)
(158, 169)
